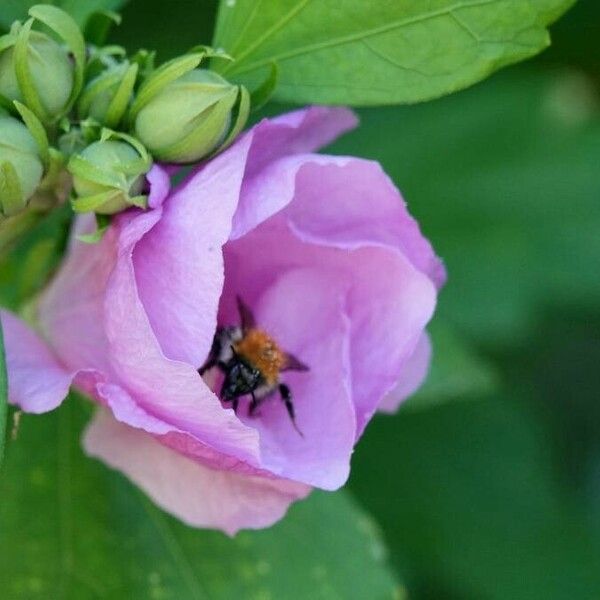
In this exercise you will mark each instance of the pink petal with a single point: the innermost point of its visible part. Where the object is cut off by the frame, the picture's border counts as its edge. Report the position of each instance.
(301, 131)
(170, 390)
(36, 381)
(160, 184)
(412, 374)
(198, 495)
(352, 204)
(71, 310)
(127, 411)
(179, 264)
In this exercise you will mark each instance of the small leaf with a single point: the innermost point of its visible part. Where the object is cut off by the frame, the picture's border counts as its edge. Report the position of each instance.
(83, 531)
(91, 203)
(362, 53)
(120, 102)
(160, 78)
(24, 76)
(11, 196)
(240, 121)
(37, 131)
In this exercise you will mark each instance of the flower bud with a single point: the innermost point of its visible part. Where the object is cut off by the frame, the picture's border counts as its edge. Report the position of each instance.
(51, 72)
(188, 118)
(107, 97)
(37, 70)
(108, 176)
(21, 167)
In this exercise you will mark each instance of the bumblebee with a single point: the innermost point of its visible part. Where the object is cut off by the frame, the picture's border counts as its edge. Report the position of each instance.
(251, 362)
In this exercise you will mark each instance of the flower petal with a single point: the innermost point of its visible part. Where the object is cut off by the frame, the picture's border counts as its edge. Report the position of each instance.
(160, 184)
(71, 310)
(179, 264)
(198, 495)
(127, 411)
(412, 375)
(352, 203)
(169, 390)
(298, 132)
(36, 381)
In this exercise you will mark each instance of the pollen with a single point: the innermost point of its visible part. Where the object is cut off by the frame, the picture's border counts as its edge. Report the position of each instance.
(262, 352)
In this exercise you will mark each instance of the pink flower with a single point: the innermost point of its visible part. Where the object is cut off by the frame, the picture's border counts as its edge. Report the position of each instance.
(325, 254)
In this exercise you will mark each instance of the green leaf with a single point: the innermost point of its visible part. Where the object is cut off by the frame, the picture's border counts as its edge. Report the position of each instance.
(72, 529)
(457, 371)
(80, 10)
(362, 53)
(3, 394)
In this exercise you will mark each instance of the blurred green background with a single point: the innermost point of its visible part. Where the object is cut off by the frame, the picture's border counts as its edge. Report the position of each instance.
(486, 485)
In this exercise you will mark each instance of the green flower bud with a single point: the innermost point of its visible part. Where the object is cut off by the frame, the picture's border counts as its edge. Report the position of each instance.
(108, 176)
(188, 118)
(37, 70)
(21, 167)
(107, 97)
(51, 71)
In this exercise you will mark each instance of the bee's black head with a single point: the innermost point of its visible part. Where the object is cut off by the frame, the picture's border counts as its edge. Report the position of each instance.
(240, 379)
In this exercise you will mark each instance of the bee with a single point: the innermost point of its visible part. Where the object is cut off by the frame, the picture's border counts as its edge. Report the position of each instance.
(251, 362)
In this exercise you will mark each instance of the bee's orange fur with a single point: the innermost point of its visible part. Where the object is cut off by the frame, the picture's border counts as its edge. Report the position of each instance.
(263, 353)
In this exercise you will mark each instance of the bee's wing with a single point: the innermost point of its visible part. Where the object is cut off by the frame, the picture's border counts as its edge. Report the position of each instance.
(246, 316)
(294, 364)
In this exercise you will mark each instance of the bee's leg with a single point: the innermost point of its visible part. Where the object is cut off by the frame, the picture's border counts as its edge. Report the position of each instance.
(286, 396)
(212, 360)
(209, 364)
(213, 355)
(253, 404)
(234, 403)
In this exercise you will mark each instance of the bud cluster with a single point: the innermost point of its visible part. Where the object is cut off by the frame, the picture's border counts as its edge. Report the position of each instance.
(90, 117)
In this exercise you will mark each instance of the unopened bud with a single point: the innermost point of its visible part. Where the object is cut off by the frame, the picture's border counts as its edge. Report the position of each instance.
(107, 97)
(37, 70)
(188, 118)
(21, 167)
(108, 176)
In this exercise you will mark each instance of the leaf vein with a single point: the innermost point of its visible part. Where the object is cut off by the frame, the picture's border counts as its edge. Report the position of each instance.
(273, 29)
(349, 38)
